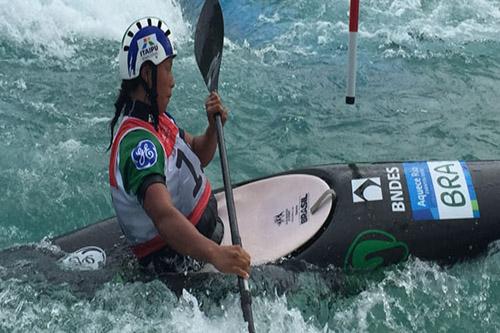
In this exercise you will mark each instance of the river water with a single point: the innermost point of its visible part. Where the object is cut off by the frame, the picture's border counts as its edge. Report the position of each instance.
(428, 88)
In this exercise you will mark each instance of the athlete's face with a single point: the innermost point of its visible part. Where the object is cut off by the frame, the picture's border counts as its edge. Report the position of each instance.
(165, 84)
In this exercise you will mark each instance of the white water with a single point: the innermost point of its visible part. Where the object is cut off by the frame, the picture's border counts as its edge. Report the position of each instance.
(282, 77)
(51, 26)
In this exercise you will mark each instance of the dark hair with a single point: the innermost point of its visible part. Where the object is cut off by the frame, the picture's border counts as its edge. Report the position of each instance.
(127, 87)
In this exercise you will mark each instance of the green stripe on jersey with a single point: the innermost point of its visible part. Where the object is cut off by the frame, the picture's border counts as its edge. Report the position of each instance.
(133, 173)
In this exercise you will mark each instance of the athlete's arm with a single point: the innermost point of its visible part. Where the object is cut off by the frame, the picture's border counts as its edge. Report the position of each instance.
(184, 238)
(204, 145)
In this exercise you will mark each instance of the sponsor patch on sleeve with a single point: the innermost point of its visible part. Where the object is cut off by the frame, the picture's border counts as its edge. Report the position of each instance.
(144, 155)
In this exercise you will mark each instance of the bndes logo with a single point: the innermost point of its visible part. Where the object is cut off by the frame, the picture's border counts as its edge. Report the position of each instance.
(395, 189)
(366, 189)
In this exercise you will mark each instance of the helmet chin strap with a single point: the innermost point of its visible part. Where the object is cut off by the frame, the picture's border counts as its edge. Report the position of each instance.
(152, 94)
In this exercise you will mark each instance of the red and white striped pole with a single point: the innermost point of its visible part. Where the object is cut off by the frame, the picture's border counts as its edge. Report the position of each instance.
(351, 66)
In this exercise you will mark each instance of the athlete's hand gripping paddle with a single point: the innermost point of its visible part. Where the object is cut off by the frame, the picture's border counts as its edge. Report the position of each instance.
(208, 43)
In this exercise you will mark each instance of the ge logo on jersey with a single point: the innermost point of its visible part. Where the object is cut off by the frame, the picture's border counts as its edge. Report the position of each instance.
(144, 155)
(366, 189)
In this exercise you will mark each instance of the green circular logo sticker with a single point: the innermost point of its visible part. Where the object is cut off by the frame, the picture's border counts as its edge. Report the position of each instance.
(374, 248)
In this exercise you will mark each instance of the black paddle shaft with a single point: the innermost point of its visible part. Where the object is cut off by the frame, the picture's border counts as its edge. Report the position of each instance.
(246, 298)
(209, 39)
(226, 177)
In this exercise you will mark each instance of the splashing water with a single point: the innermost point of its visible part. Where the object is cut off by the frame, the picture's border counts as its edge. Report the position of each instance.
(427, 89)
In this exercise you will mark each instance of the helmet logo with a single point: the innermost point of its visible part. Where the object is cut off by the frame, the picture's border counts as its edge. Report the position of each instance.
(147, 42)
(148, 47)
(144, 41)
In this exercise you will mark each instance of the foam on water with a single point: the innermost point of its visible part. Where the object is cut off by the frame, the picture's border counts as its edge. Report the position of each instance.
(10, 233)
(451, 20)
(428, 89)
(401, 28)
(149, 305)
(421, 296)
(52, 27)
(416, 296)
(420, 28)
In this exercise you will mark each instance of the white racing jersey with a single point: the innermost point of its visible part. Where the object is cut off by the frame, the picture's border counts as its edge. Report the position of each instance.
(138, 151)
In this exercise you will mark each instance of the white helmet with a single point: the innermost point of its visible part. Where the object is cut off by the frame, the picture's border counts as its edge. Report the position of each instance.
(145, 40)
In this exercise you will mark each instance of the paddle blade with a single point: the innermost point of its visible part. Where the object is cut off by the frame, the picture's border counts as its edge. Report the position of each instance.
(208, 42)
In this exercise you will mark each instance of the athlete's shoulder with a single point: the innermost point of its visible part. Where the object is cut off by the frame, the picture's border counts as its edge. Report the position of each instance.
(142, 148)
(169, 116)
(181, 131)
(141, 154)
(136, 135)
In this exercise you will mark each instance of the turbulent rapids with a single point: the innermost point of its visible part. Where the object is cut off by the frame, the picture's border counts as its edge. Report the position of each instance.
(352, 217)
(427, 90)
